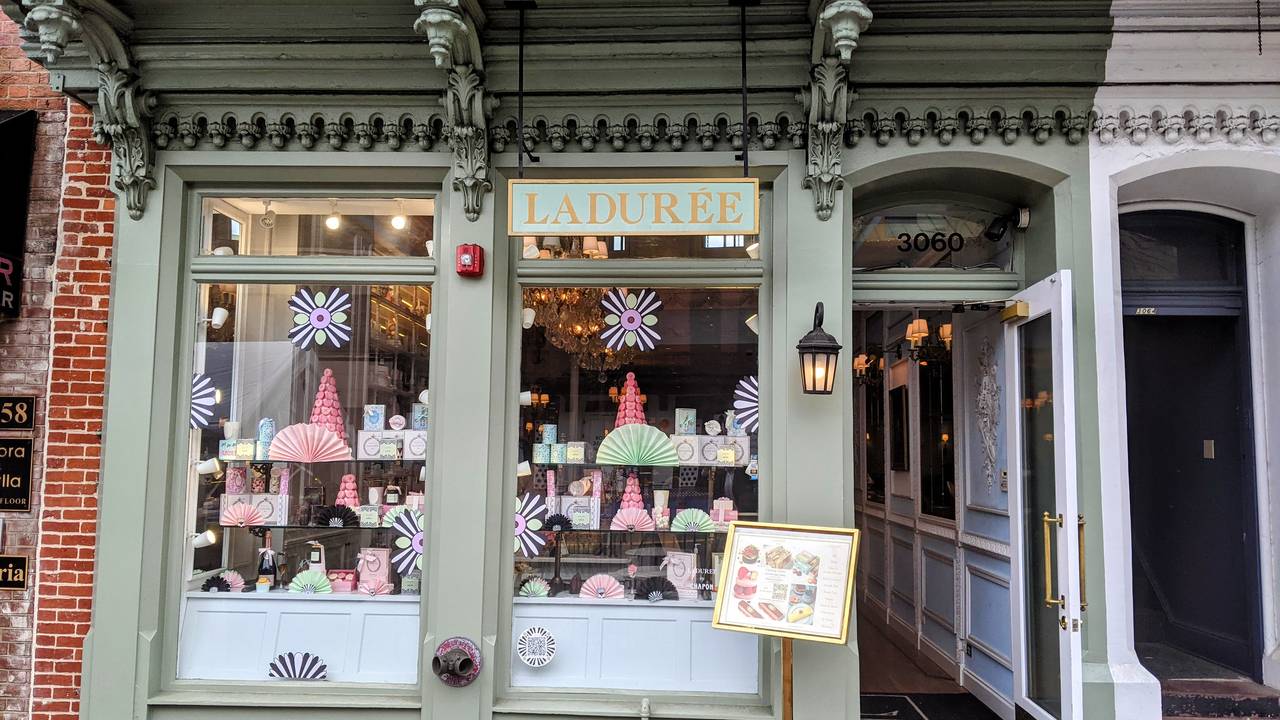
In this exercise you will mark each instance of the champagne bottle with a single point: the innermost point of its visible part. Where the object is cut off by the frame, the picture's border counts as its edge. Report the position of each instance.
(267, 565)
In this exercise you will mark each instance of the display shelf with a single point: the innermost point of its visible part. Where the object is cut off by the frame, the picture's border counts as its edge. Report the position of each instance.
(280, 594)
(575, 600)
(300, 527)
(600, 465)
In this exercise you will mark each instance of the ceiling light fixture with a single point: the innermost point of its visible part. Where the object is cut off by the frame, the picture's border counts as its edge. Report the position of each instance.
(334, 221)
(399, 222)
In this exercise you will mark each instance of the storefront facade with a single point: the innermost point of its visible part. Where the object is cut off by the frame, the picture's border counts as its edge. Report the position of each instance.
(325, 224)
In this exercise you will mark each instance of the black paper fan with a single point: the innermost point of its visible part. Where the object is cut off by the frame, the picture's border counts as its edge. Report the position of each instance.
(216, 584)
(336, 516)
(298, 666)
(557, 522)
(656, 589)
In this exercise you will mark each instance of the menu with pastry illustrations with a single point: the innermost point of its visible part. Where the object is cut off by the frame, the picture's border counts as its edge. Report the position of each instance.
(787, 580)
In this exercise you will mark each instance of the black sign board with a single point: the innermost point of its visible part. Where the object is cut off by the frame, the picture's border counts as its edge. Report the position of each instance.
(18, 138)
(15, 474)
(13, 572)
(17, 412)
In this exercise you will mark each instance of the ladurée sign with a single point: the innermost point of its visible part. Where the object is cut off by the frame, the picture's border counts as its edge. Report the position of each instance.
(634, 207)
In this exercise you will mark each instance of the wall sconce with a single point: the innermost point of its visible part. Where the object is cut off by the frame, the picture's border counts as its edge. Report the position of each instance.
(217, 318)
(753, 251)
(753, 323)
(944, 333)
(860, 365)
(527, 316)
(208, 466)
(917, 331)
(202, 539)
(818, 354)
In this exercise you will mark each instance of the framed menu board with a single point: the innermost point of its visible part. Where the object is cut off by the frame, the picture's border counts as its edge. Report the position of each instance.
(789, 581)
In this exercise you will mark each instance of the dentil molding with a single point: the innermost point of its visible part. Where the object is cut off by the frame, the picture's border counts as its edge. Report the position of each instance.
(1174, 124)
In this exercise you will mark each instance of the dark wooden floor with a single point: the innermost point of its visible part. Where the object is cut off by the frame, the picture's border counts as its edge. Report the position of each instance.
(886, 669)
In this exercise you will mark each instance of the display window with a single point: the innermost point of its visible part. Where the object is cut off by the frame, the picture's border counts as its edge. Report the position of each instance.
(640, 247)
(309, 440)
(638, 444)
(318, 226)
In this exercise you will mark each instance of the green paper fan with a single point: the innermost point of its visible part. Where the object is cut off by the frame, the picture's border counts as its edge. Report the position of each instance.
(310, 582)
(392, 513)
(535, 587)
(637, 444)
(692, 520)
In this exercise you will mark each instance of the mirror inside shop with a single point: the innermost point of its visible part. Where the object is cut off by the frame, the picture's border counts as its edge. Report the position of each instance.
(639, 418)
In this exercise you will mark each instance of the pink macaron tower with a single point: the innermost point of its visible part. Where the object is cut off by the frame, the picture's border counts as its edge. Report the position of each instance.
(630, 408)
(347, 493)
(327, 412)
(631, 497)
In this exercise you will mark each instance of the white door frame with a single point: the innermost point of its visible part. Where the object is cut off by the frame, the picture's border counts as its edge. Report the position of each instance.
(1051, 296)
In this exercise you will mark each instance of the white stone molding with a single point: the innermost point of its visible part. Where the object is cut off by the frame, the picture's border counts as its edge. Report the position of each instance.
(1187, 123)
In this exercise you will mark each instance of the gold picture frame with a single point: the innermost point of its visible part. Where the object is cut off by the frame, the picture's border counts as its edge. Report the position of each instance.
(799, 535)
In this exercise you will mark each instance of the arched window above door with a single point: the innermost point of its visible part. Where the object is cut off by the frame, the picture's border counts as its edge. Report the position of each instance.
(946, 235)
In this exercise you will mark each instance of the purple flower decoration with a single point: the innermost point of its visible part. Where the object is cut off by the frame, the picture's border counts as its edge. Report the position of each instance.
(528, 518)
(408, 542)
(320, 318)
(631, 319)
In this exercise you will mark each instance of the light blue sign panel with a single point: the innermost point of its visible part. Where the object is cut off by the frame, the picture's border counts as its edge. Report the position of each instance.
(634, 207)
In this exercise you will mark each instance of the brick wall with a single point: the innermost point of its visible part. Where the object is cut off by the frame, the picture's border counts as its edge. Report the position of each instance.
(56, 350)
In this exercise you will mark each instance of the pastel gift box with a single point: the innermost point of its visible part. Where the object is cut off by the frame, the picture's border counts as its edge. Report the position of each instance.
(549, 433)
(686, 421)
(368, 444)
(245, 449)
(410, 585)
(708, 450)
(342, 581)
(576, 453)
(541, 453)
(370, 517)
(375, 417)
(559, 454)
(415, 500)
(418, 417)
(583, 512)
(274, 508)
(388, 448)
(661, 518)
(686, 449)
(260, 450)
(374, 563)
(226, 500)
(415, 445)
(741, 446)
(723, 513)
(226, 449)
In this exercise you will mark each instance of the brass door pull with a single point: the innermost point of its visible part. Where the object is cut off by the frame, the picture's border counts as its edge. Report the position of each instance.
(1051, 599)
(1084, 593)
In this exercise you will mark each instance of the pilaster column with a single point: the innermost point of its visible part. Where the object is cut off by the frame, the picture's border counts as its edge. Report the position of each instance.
(812, 460)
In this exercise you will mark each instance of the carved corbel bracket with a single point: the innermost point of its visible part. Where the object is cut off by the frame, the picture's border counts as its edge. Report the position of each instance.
(450, 33)
(845, 21)
(826, 103)
(468, 109)
(123, 110)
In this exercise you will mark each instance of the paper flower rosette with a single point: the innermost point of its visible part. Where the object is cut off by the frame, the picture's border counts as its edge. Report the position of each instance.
(528, 522)
(631, 319)
(408, 543)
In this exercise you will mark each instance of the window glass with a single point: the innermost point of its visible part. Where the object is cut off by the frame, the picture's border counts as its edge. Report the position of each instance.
(937, 429)
(639, 247)
(346, 227)
(1179, 246)
(637, 447)
(932, 235)
(308, 427)
(872, 379)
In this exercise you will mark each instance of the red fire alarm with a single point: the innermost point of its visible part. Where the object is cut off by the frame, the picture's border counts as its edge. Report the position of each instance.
(470, 260)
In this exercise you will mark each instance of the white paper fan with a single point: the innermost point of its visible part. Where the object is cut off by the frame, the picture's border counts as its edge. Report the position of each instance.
(746, 402)
(601, 587)
(203, 397)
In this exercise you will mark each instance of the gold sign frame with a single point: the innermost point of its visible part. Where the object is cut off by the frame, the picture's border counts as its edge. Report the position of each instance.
(732, 561)
(594, 182)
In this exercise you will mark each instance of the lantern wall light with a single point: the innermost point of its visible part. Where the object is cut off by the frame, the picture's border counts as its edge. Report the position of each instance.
(819, 352)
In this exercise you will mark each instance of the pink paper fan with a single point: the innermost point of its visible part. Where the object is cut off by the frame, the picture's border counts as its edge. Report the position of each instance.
(241, 515)
(307, 442)
(375, 586)
(601, 587)
(234, 580)
(632, 519)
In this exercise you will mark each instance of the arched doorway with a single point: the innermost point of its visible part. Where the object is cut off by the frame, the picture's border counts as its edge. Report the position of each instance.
(1193, 490)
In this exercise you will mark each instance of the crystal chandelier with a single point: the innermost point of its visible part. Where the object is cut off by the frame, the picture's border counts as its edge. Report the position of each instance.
(574, 319)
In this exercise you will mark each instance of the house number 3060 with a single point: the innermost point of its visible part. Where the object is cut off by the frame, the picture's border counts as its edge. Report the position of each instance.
(938, 242)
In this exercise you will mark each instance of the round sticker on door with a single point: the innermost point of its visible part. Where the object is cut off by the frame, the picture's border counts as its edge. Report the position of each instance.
(536, 646)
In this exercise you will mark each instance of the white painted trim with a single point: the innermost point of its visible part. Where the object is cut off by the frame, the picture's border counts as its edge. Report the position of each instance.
(969, 572)
(988, 695)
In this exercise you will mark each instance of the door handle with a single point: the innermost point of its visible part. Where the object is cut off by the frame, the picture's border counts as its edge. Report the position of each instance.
(1084, 592)
(1051, 599)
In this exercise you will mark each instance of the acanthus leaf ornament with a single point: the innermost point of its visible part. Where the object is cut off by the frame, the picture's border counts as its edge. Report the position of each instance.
(846, 20)
(469, 108)
(826, 103)
(122, 123)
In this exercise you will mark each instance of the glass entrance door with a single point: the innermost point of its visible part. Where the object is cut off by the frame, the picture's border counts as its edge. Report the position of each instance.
(1047, 569)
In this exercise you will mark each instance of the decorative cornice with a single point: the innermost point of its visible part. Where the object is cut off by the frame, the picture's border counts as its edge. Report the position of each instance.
(1232, 125)
(468, 109)
(1010, 124)
(826, 104)
(123, 110)
(321, 130)
(842, 22)
(451, 34)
